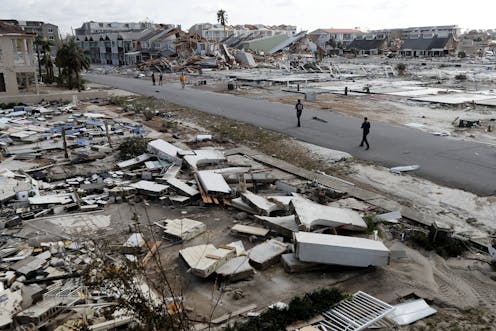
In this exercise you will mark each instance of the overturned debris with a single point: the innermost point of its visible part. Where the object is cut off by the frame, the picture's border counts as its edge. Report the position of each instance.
(340, 250)
(183, 229)
(310, 214)
(267, 253)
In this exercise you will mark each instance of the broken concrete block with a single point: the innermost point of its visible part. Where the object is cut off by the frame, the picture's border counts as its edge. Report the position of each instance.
(164, 150)
(213, 183)
(259, 203)
(184, 228)
(205, 259)
(310, 214)
(285, 225)
(291, 264)
(148, 187)
(204, 157)
(241, 205)
(236, 269)
(340, 250)
(267, 253)
(250, 230)
(181, 187)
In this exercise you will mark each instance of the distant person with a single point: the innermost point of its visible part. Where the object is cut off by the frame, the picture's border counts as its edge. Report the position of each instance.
(160, 78)
(365, 131)
(299, 110)
(182, 79)
(153, 78)
(346, 90)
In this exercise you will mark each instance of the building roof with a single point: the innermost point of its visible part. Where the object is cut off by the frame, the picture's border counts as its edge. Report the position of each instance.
(426, 43)
(364, 44)
(337, 31)
(6, 28)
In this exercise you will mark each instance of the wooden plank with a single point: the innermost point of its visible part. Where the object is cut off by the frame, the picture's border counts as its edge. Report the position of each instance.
(240, 311)
(151, 252)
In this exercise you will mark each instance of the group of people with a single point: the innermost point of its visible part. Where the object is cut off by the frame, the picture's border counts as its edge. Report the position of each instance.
(182, 79)
(365, 124)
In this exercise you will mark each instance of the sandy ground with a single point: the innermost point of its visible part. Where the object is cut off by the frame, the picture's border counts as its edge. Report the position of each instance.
(452, 286)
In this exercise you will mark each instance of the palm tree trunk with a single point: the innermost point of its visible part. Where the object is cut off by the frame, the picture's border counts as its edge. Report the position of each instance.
(39, 62)
(78, 80)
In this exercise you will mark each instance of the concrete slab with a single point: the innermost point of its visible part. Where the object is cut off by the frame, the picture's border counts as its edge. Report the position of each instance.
(250, 230)
(213, 183)
(205, 259)
(236, 269)
(184, 228)
(267, 253)
(259, 203)
(291, 264)
(310, 214)
(203, 157)
(164, 150)
(455, 98)
(182, 187)
(285, 225)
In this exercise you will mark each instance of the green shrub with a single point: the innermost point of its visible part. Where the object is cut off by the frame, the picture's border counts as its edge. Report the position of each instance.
(132, 147)
(299, 309)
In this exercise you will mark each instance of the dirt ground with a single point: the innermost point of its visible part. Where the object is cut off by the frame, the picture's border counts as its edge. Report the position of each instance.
(462, 289)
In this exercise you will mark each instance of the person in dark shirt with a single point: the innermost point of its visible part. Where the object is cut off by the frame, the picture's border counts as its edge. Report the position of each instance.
(299, 110)
(365, 131)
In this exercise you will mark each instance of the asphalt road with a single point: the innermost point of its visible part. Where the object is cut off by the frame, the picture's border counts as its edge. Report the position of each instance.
(455, 163)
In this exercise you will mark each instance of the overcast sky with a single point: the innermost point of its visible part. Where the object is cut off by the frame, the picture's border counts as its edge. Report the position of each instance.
(305, 14)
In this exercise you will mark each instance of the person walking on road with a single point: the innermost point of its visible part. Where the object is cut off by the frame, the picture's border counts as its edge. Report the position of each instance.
(365, 131)
(153, 78)
(299, 110)
(160, 78)
(182, 79)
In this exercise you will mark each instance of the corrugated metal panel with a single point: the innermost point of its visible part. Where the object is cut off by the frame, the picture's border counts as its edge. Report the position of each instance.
(356, 313)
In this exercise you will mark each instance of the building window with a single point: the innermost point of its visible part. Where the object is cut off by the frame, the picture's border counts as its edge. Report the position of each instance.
(18, 55)
(51, 38)
(50, 30)
(2, 83)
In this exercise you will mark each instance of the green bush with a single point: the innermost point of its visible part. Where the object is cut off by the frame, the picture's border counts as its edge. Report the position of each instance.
(132, 147)
(299, 309)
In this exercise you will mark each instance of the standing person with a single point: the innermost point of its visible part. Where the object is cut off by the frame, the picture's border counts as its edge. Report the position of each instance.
(160, 77)
(299, 110)
(365, 130)
(182, 78)
(153, 78)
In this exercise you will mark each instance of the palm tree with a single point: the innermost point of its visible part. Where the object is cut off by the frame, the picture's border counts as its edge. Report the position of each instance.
(38, 42)
(222, 19)
(47, 59)
(72, 59)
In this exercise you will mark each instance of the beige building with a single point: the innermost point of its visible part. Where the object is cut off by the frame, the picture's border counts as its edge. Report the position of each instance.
(17, 66)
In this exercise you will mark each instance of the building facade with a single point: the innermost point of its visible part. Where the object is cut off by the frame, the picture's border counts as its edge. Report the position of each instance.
(217, 32)
(17, 65)
(336, 38)
(45, 30)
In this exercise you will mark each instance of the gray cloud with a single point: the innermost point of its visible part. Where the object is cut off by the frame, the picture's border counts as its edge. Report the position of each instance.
(307, 15)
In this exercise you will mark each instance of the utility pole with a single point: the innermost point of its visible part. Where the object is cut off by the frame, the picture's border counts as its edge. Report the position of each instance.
(65, 143)
(108, 135)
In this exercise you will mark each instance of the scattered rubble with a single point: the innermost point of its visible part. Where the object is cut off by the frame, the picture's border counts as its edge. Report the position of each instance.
(58, 212)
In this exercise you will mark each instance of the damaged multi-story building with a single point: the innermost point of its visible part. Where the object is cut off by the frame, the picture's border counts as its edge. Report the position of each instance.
(218, 32)
(117, 43)
(17, 66)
